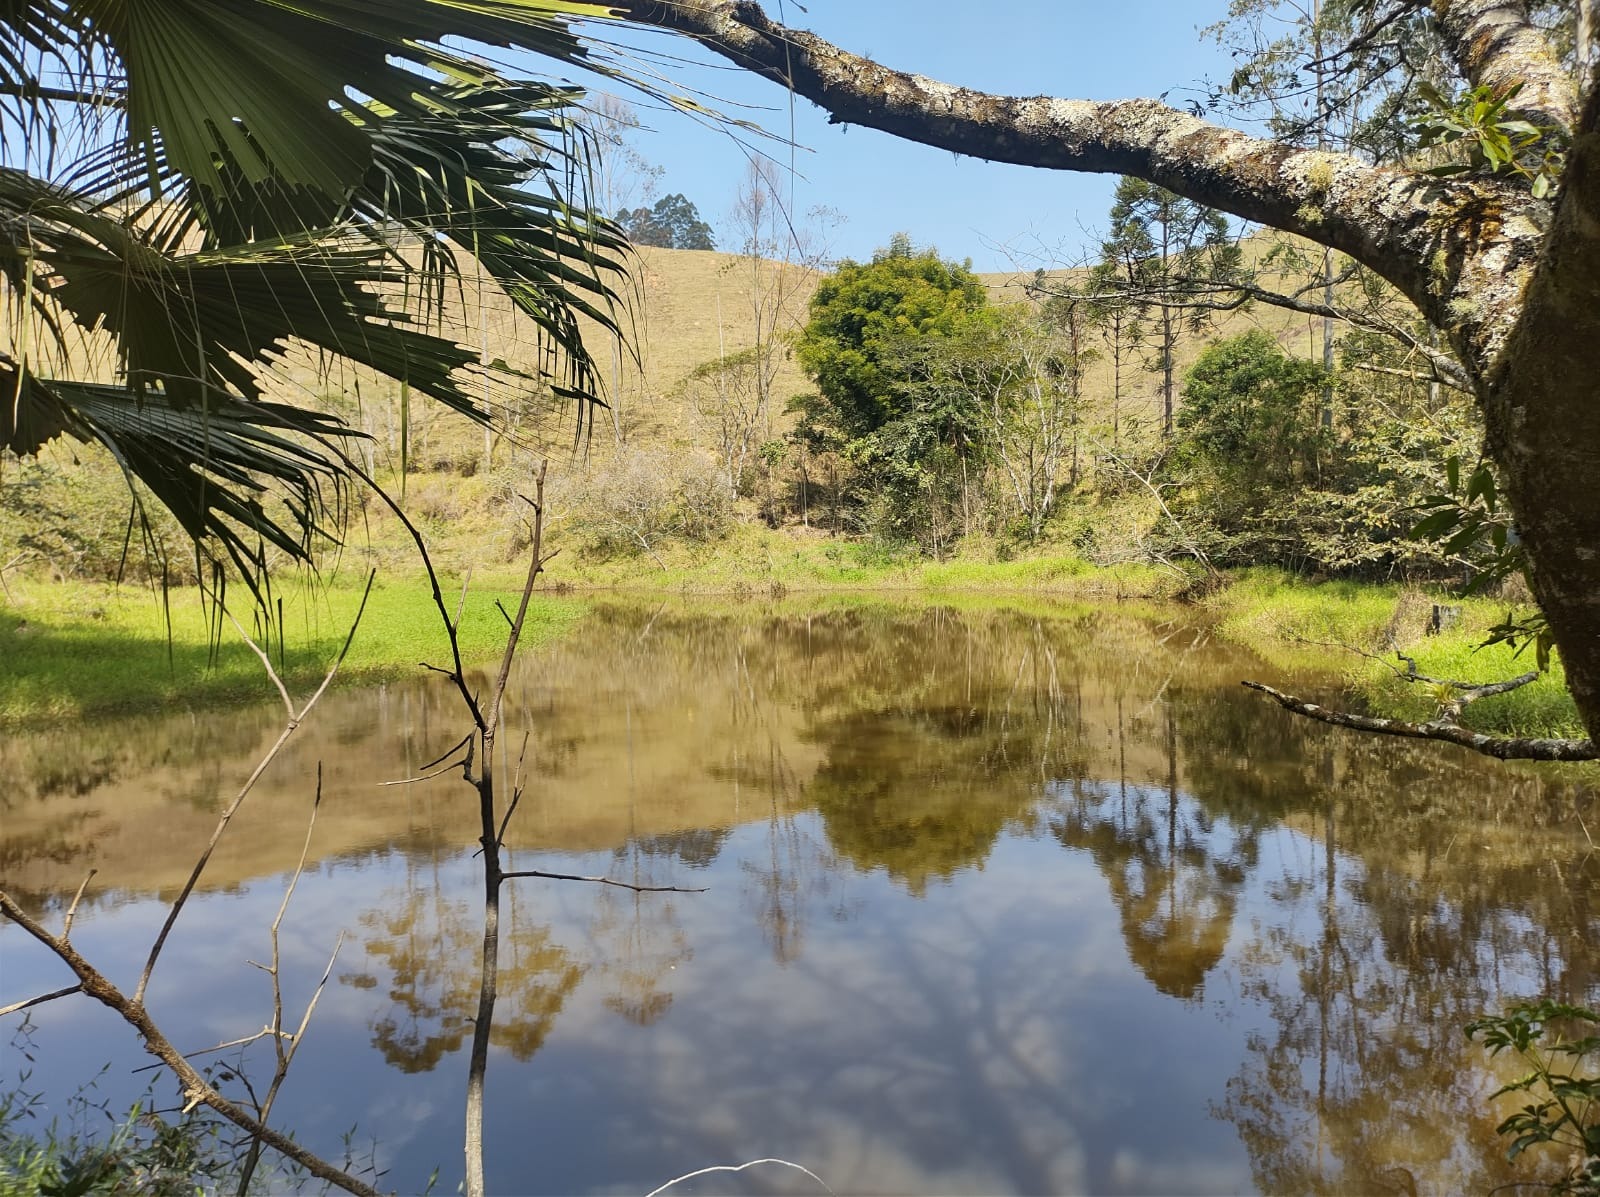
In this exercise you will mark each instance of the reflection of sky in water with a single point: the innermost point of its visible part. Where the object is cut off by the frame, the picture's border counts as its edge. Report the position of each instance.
(990, 1037)
(1135, 987)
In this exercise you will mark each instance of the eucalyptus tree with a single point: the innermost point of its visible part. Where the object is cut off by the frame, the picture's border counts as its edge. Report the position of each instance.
(1501, 256)
(188, 191)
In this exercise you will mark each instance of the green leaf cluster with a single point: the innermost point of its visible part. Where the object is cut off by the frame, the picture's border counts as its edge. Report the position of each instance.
(1478, 126)
(1561, 1095)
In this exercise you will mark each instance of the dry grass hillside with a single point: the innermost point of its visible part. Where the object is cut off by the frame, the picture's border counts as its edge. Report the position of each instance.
(682, 309)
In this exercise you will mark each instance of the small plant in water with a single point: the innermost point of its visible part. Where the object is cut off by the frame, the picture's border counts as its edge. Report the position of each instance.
(1561, 1091)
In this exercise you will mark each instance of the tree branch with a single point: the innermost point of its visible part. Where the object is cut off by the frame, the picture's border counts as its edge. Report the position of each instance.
(1496, 46)
(195, 1087)
(1414, 230)
(1505, 748)
(638, 889)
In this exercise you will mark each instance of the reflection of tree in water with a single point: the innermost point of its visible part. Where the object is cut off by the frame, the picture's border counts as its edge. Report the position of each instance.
(426, 949)
(1174, 871)
(638, 940)
(1365, 1081)
(1417, 891)
(919, 794)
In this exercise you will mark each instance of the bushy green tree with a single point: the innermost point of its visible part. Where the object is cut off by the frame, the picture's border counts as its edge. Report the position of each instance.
(870, 348)
(1262, 479)
(1249, 414)
(861, 319)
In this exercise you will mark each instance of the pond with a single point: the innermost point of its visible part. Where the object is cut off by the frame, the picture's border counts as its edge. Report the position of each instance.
(998, 901)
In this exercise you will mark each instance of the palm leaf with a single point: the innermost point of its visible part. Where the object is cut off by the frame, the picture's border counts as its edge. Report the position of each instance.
(215, 469)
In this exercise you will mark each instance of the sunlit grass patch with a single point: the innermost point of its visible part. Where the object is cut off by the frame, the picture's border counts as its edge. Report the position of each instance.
(73, 649)
(1295, 624)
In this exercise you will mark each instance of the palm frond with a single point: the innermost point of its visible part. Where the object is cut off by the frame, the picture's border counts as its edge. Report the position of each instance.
(216, 469)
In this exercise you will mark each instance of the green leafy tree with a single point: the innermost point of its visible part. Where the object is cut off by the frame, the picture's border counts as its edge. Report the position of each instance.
(863, 315)
(871, 348)
(672, 222)
(1249, 435)
(190, 190)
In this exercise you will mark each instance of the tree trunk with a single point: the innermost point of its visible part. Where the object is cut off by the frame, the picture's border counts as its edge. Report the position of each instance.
(1544, 428)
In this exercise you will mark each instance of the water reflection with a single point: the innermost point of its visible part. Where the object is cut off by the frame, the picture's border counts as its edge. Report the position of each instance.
(999, 901)
(419, 942)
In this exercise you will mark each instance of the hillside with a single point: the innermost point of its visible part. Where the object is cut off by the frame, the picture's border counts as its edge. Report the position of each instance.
(683, 308)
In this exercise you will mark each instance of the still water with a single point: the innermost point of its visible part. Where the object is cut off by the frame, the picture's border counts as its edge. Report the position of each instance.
(996, 902)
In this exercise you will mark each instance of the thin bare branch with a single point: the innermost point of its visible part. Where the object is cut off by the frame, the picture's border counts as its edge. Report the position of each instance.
(638, 889)
(1505, 748)
(14, 1007)
(266, 661)
(678, 1180)
(514, 637)
(295, 720)
(429, 776)
(72, 910)
(516, 793)
(196, 1089)
(459, 674)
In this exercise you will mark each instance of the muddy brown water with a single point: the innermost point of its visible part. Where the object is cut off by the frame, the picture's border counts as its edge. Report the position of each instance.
(996, 902)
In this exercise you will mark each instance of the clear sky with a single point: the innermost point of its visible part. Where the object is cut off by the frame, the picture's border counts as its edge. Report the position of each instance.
(1000, 216)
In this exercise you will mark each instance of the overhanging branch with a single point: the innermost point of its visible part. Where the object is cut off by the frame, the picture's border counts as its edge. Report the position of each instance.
(1421, 233)
(1505, 748)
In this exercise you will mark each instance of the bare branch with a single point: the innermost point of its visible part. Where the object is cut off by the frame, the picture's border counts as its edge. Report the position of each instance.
(678, 1180)
(1505, 748)
(72, 910)
(14, 1007)
(1393, 221)
(196, 1089)
(1454, 384)
(638, 889)
(295, 720)
(266, 662)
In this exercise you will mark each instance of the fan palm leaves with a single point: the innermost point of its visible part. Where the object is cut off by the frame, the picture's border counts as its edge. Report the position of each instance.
(208, 185)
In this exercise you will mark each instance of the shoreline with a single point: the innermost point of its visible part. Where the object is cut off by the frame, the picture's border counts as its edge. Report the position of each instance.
(79, 649)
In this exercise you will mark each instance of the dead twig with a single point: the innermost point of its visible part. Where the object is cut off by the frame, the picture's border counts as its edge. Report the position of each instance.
(72, 910)
(295, 720)
(284, 1055)
(15, 1007)
(678, 1180)
(196, 1089)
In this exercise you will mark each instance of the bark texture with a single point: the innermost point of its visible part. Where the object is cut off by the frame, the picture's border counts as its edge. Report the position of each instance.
(1515, 287)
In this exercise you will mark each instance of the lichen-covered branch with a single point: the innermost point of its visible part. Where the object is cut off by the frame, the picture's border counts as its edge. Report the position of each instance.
(1505, 748)
(1496, 46)
(1427, 236)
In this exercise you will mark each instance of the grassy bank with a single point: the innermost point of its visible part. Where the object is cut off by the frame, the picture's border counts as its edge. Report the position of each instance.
(756, 561)
(75, 649)
(72, 649)
(1329, 626)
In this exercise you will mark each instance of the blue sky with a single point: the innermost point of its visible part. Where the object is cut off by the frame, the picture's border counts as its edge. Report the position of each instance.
(997, 215)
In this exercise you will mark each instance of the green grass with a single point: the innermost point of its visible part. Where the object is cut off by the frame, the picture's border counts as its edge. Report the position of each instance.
(1296, 625)
(75, 649)
(754, 560)
(72, 650)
